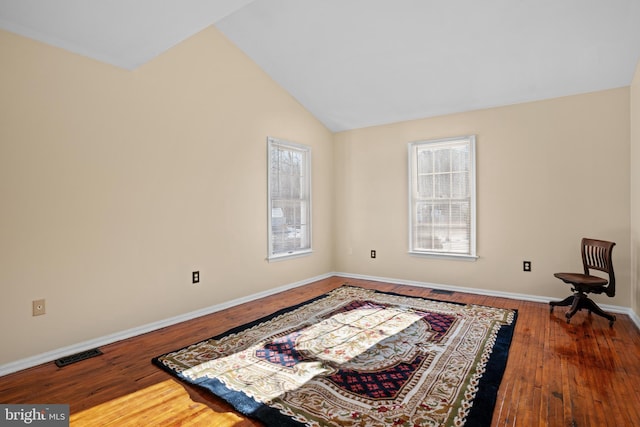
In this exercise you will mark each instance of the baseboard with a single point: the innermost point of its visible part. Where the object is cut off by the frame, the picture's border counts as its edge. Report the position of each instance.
(485, 292)
(49, 356)
(635, 318)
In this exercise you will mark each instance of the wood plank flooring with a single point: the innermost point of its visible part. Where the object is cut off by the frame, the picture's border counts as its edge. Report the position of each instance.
(148, 407)
(558, 374)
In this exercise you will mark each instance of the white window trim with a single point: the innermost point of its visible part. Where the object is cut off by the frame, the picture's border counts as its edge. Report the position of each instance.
(472, 256)
(271, 257)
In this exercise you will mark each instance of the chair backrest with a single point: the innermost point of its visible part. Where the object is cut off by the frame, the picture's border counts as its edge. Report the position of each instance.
(596, 255)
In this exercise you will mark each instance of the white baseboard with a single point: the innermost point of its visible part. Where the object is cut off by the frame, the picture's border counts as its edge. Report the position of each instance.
(49, 356)
(511, 295)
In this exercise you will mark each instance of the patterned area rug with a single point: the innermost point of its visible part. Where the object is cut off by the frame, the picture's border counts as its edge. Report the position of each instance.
(357, 357)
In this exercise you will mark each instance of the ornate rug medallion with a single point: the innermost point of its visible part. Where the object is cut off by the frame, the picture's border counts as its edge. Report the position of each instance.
(358, 357)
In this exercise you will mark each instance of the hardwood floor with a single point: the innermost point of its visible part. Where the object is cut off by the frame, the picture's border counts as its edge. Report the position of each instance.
(558, 374)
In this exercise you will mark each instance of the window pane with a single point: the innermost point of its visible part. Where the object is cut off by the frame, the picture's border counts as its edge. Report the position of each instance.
(442, 185)
(459, 158)
(459, 185)
(442, 160)
(425, 186)
(440, 213)
(460, 213)
(425, 161)
(423, 213)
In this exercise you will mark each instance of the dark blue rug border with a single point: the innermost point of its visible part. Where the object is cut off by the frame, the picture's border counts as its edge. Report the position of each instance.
(484, 403)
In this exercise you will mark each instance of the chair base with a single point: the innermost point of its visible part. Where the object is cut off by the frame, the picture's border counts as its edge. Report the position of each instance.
(578, 302)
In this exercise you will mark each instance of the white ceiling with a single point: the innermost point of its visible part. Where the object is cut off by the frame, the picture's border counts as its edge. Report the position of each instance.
(358, 63)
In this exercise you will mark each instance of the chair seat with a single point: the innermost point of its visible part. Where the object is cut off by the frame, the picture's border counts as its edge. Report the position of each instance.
(582, 279)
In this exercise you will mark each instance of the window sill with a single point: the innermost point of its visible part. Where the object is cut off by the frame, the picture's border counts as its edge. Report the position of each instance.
(288, 255)
(436, 255)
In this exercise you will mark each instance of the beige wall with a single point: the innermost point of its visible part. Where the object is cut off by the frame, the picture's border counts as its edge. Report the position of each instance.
(635, 192)
(549, 173)
(115, 185)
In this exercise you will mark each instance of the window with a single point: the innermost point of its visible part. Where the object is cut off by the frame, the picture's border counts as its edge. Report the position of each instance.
(289, 199)
(442, 197)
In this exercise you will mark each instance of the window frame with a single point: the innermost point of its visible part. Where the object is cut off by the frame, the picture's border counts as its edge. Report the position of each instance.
(413, 148)
(306, 199)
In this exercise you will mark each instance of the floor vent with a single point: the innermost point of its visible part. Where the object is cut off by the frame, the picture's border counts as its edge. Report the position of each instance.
(441, 292)
(68, 360)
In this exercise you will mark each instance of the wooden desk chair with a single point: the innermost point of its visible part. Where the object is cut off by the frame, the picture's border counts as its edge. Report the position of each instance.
(596, 255)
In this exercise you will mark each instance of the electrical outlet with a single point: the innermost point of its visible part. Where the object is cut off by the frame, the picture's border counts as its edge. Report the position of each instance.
(38, 307)
(373, 253)
(195, 277)
(526, 265)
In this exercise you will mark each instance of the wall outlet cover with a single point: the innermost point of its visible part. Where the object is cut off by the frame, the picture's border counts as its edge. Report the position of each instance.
(38, 307)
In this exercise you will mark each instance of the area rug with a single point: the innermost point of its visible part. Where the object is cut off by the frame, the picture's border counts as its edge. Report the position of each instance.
(357, 357)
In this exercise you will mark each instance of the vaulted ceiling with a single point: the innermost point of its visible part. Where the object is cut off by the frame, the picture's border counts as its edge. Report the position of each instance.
(358, 63)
